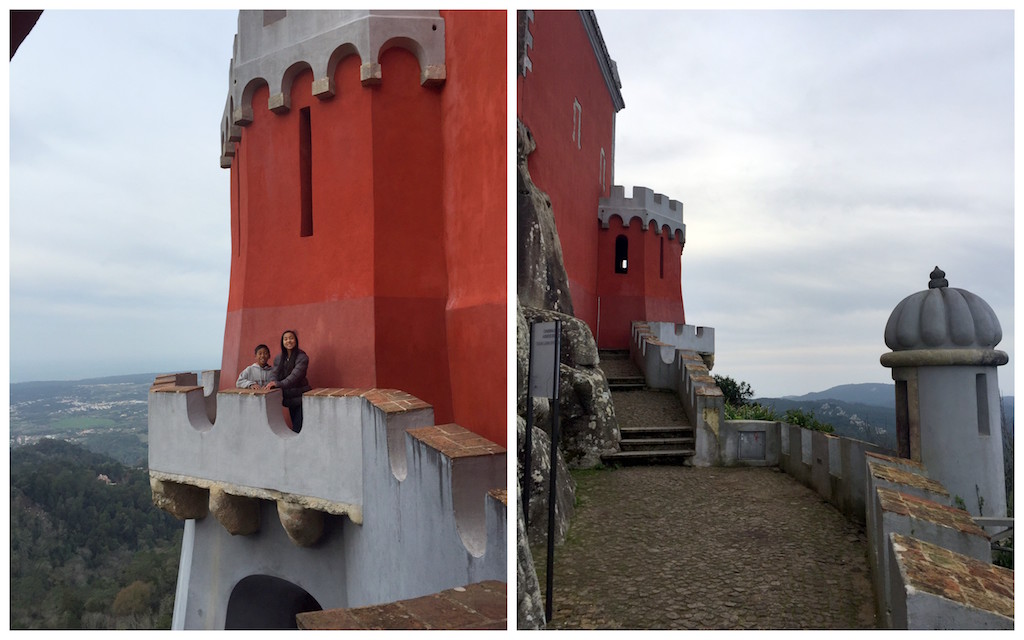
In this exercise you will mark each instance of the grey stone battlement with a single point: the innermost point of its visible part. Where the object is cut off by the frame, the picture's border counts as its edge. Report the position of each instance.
(273, 47)
(348, 435)
(646, 206)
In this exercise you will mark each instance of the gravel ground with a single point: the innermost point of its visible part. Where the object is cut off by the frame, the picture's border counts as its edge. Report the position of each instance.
(707, 548)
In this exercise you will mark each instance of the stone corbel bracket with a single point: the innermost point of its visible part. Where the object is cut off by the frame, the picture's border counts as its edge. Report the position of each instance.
(646, 206)
(272, 48)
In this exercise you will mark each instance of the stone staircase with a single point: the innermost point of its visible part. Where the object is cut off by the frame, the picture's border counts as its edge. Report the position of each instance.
(652, 423)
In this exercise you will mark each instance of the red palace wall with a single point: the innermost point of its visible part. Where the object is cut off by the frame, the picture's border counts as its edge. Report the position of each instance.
(402, 282)
(565, 69)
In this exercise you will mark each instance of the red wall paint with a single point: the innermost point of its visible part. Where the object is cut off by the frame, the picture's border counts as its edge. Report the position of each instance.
(402, 283)
(565, 68)
(475, 114)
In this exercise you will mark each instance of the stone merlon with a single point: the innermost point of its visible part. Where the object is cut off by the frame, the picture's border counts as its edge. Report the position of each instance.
(645, 206)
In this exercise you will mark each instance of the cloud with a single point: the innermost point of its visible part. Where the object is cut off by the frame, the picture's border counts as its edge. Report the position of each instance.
(120, 234)
(827, 161)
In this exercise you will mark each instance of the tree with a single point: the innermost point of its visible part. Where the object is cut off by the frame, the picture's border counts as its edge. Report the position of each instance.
(133, 599)
(736, 393)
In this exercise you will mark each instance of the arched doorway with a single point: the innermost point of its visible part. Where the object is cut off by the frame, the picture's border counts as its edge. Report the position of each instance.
(266, 602)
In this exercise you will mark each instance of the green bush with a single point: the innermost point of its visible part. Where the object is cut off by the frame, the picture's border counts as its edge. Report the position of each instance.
(752, 411)
(807, 421)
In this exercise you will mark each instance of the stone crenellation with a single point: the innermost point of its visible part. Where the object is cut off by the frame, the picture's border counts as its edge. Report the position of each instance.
(646, 206)
(423, 495)
(273, 47)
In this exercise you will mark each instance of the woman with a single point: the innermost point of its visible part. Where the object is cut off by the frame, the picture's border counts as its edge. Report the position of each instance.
(290, 376)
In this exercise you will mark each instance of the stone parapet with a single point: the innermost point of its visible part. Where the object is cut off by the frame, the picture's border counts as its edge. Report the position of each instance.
(903, 508)
(646, 206)
(248, 454)
(475, 606)
(370, 503)
(935, 588)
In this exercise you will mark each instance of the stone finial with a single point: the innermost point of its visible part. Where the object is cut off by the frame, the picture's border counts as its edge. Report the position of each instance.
(938, 279)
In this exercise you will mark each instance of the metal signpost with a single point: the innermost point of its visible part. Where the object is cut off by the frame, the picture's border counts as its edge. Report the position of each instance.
(545, 346)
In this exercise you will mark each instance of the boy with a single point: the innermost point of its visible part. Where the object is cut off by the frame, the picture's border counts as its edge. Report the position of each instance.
(257, 375)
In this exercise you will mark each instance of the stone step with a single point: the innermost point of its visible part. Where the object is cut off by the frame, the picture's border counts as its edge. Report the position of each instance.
(656, 444)
(664, 431)
(668, 456)
(626, 384)
(614, 354)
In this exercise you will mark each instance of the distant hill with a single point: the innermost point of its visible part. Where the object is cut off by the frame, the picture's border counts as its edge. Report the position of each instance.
(863, 411)
(870, 393)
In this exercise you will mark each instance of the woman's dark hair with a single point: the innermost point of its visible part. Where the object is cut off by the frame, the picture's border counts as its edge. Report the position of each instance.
(284, 352)
(261, 346)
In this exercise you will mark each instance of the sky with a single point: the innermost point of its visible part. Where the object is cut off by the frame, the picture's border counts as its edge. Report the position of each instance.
(827, 162)
(119, 210)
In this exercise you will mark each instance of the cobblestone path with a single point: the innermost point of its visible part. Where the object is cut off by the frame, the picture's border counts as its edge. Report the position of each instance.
(707, 548)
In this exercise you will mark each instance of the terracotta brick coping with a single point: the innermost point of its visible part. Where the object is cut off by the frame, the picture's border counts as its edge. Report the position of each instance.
(947, 574)
(903, 476)
(173, 388)
(454, 441)
(895, 460)
(387, 400)
(499, 494)
(912, 506)
(476, 606)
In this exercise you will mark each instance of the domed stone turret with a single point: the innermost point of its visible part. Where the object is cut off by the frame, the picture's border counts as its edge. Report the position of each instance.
(947, 404)
(942, 317)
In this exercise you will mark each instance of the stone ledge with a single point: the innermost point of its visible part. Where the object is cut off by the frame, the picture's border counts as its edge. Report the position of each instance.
(897, 461)
(172, 388)
(933, 569)
(908, 505)
(897, 475)
(354, 512)
(454, 441)
(476, 606)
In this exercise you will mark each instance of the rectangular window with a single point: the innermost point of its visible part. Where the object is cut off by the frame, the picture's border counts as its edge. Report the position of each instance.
(603, 167)
(305, 173)
(981, 385)
(661, 258)
(237, 179)
(902, 419)
(577, 121)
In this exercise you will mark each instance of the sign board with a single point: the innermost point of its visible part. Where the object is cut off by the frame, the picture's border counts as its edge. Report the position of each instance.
(543, 359)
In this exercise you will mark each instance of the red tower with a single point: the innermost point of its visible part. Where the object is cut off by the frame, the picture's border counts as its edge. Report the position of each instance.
(622, 256)
(368, 198)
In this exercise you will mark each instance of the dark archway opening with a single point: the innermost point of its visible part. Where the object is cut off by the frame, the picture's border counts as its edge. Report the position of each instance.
(266, 602)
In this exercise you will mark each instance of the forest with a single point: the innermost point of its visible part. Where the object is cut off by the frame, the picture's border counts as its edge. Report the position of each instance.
(88, 548)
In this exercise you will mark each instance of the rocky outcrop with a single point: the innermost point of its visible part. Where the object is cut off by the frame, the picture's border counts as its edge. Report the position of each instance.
(530, 607)
(588, 427)
(586, 415)
(541, 281)
(539, 484)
